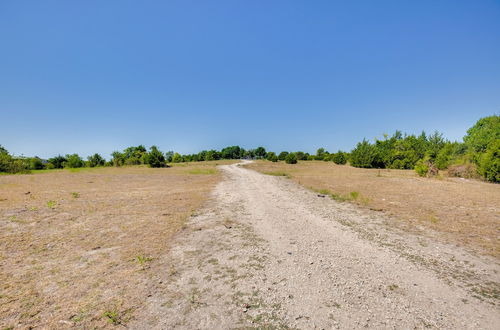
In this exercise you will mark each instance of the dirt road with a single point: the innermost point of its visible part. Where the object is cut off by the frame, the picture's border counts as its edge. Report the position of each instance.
(267, 253)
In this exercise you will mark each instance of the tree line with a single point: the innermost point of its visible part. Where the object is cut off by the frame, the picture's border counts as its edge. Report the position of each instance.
(477, 155)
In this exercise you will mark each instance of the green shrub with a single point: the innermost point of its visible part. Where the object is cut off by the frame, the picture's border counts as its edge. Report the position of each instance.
(35, 163)
(489, 162)
(485, 132)
(155, 158)
(291, 158)
(422, 168)
(321, 153)
(301, 155)
(57, 161)
(271, 155)
(95, 160)
(283, 155)
(73, 161)
(365, 155)
(176, 158)
(339, 158)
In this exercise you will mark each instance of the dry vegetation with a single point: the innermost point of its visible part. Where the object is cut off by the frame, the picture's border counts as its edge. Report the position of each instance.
(77, 248)
(464, 212)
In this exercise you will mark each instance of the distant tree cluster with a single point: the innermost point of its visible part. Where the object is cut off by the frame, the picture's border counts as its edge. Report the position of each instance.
(427, 154)
(479, 154)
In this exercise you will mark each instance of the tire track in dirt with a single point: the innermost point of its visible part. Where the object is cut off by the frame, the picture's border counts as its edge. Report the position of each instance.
(267, 253)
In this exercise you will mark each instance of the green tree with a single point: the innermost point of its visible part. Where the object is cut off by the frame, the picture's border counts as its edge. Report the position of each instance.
(485, 132)
(301, 155)
(365, 155)
(260, 152)
(291, 158)
(321, 153)
(57, 161)
(35, 163)
(282, 155)
(95, 160)
(176, 158)
(155, 158)
(339, 158)
(73, 161)
(271, 155)
(117, 158)
(489, 162)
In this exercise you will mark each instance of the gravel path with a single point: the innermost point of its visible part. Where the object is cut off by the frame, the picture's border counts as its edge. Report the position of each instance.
(267, 253)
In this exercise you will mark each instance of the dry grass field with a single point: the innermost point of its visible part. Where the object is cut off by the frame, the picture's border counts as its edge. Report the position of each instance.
(464, 212)
(77, 248)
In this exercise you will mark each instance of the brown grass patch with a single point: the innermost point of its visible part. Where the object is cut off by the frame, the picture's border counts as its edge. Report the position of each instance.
(464, 211)
(78, 248)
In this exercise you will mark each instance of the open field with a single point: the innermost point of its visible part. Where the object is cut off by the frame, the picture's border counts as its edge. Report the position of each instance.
(463, 212)
(77, 248)
(267, 253)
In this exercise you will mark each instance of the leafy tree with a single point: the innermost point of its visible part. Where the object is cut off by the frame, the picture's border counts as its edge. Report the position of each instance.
(321, 153)
(485, 132)
(5, 160)
(450, 153)
(168, 156)
(95, 160)
(35, 163)
(57, 161)
(489, 162)
(435, 143)
(365, 155)
(118, 158)
(233, 152)
(282, 155)
(155, 158)
(176, 158)
(291, 158)
(260, 152)
(301, 155)
(212, 155)
(271, 155)
(73, 161)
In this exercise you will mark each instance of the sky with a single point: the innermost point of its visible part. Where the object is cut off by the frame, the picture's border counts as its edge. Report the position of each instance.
(98, 76)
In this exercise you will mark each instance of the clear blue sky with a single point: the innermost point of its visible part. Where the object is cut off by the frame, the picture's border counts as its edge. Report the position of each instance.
(98, 76)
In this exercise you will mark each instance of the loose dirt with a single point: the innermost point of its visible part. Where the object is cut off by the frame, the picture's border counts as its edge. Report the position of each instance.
(267, 253)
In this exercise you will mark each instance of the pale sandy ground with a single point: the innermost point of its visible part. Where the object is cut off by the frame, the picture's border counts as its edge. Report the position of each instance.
(267, 253)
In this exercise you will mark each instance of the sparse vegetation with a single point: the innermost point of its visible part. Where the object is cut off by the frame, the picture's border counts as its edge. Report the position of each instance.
(60, 241)
(411, 200)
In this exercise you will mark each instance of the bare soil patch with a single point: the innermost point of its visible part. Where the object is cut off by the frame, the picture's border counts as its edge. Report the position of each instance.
(78, 248)
(464, 212)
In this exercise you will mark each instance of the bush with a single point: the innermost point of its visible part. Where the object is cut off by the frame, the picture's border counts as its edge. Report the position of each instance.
(271, 156)
(57, 161)
(73, 161)
(467, 170)
(365, 155)
(485, 132)
(283, 155)
(176, 158)
(489, 163)
(155, 158)
(426, 168)
(321, 153)
(301, 155)
(35, 163)
(339, 158)
(95, 160)
(422, 168)
(291, 158)
(117, 158)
